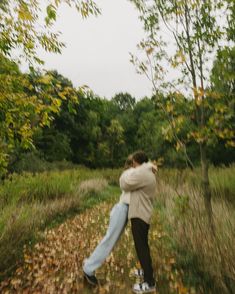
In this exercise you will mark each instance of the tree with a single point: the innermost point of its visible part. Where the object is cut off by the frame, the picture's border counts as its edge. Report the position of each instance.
(124, 101)
(29, 101)
(223, 83)
(148, 134)
(115, 139)
(197, 33)
(223, 72)
(26, 25)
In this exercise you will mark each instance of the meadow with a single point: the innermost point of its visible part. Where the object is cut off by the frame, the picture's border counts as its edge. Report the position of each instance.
(31, 203)
(206, 257)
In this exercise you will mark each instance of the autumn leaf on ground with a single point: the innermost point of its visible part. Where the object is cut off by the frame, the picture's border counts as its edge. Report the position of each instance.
(55, 264)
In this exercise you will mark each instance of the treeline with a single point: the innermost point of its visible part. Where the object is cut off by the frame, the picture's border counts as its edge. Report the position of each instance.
(96, 132)
(103, 132)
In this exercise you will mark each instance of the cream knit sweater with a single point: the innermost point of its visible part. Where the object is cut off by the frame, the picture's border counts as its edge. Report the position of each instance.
(141, 183)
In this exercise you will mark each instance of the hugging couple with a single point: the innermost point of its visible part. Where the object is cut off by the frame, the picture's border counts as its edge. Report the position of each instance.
(138, 185)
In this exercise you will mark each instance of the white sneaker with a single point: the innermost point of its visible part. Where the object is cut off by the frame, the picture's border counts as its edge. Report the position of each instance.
(144, 288)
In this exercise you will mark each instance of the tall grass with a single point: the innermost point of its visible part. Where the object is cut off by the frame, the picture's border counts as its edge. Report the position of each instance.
(29, 203)
(221, 180)
(208, 258)
(223, 183)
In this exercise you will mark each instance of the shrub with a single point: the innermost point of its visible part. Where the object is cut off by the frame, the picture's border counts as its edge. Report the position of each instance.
(29, 162)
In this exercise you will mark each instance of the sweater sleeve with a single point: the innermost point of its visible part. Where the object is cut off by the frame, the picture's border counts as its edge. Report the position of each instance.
(149, 165)
(131, 181)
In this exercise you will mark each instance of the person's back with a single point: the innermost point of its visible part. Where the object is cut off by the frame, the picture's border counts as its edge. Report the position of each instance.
(142, 185)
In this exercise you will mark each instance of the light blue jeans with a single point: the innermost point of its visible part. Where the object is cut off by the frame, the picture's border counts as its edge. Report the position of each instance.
(117, 223)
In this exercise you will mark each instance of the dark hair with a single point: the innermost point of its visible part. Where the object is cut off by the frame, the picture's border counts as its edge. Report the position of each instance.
(129, 162)
(140, 157)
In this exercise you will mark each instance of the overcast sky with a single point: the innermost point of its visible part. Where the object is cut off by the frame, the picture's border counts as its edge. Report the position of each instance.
(97, 49)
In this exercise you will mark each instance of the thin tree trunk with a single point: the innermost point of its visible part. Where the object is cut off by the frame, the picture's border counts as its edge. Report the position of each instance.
(206, 191)
(204, 162)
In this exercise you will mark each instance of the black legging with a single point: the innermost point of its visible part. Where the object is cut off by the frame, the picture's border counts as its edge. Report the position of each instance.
(140, 235)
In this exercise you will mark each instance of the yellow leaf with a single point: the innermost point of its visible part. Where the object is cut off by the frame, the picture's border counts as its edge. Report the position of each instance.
(45, 79)
(149, 50)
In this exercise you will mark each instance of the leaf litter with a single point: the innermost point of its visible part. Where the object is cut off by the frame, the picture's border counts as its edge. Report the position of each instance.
(54, 265)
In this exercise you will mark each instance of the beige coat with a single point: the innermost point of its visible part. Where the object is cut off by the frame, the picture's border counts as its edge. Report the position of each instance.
(142, 185)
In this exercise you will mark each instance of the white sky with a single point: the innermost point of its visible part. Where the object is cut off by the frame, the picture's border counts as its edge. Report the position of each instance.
(97, 49)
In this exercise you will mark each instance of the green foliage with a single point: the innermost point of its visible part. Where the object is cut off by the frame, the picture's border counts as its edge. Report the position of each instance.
(29, 162)
(98, 134)
(124, 101)
(115, 135)
(27, 103)
(56, 144)
(64, 124)
(28, 25)
(223, 71)
(222, 97)
(196, 32)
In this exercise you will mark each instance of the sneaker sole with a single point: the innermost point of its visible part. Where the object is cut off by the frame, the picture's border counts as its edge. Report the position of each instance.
(142, 292)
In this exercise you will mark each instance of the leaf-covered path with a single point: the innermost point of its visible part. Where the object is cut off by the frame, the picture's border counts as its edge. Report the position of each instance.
(55, 264)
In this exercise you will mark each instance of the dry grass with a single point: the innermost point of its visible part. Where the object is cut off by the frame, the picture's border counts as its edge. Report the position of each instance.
(92, 186)
(215, 253)
(22, 224)
(29, 203)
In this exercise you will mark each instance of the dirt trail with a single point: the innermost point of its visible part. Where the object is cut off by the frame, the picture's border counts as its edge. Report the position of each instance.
(55, 264)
